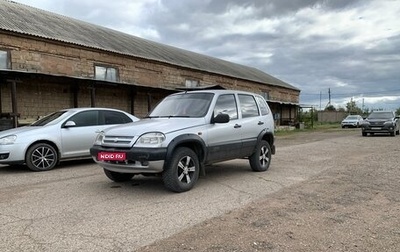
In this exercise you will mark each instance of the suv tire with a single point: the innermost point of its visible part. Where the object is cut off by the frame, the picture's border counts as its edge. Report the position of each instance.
(182, 171)
(117, 176)
(261, 158)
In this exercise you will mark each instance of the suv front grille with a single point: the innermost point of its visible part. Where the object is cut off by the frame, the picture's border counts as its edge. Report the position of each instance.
(118, 140)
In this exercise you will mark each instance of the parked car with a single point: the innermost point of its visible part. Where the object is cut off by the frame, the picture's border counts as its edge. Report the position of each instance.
(185, 132)
(62, 135)
(381, 122)
(353, 121)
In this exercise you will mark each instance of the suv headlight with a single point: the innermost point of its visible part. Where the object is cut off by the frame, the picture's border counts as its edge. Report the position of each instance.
(8, 139)
(99, 138)
(150, 139)
(390, 123)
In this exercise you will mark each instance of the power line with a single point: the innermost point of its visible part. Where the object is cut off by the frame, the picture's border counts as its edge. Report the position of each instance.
(357, 94)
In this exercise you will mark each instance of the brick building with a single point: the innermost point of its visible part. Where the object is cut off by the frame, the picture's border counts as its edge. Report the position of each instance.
(49, 62)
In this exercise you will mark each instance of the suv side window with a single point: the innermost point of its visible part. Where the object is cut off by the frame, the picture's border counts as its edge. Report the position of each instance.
(248, 106)
(226, 104)
(263, 105)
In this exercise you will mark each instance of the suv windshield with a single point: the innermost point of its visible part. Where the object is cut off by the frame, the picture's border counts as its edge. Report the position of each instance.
(183, 105)
(381, 115)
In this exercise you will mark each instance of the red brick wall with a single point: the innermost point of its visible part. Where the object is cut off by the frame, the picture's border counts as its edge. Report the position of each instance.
(37, 98)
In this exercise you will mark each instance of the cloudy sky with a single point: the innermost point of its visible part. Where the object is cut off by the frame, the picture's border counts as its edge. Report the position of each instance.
(348, 47)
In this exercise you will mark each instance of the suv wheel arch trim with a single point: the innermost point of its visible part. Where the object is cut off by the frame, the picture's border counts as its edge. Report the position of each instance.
(187, 140)
(269, 137)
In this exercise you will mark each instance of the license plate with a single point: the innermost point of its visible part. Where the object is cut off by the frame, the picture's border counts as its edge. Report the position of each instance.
(375, 128)
(111, 156)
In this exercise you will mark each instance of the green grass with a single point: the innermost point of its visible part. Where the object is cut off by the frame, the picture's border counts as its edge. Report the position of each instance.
(316, 127)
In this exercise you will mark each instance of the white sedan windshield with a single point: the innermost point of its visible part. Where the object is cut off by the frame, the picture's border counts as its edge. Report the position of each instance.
(47, 119)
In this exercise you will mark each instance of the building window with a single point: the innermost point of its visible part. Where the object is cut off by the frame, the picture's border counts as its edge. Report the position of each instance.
(105, 73)
(191, 83)
(5, 60)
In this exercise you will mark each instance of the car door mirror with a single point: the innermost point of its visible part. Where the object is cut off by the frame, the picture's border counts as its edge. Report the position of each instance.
(69, 124)
(220, 118)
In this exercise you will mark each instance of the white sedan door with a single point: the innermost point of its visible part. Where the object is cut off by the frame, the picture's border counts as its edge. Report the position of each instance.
(76, 140)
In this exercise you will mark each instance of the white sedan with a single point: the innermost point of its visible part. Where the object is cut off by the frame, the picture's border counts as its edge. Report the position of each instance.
(352, 121)
(63, 135)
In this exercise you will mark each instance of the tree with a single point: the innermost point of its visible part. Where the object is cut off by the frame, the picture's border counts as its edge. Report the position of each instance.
(398, 111)
(308, 117)
(353, 109)
(330, 108)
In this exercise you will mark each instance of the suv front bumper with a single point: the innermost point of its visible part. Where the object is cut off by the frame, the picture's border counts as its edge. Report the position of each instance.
(378, 129)
(138, 160)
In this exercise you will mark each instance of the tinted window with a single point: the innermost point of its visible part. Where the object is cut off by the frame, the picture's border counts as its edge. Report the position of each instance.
(226, 104)
(263, 106)
(381, 115)
(248, 106)
(114, 117)
(86, 118)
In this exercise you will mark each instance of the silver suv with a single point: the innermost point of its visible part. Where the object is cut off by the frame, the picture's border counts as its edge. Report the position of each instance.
(185, 132)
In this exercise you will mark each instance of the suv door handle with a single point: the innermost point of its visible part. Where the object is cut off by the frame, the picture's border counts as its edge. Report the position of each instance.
(260, 123)
(237, 126)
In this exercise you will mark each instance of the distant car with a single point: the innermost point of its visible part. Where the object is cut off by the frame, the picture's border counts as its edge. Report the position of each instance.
(381, 122)
(353, 121)
(62, 135)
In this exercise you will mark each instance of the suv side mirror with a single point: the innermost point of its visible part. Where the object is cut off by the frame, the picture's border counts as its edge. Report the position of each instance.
(220, 118)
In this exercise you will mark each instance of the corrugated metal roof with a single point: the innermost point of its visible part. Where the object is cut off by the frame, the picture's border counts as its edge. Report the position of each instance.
(27, 20)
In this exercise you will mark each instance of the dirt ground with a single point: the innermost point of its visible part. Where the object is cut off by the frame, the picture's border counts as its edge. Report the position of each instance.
(349, 208)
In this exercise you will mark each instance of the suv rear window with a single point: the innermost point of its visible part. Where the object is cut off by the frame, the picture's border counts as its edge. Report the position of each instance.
(263, 105)
(248, 106)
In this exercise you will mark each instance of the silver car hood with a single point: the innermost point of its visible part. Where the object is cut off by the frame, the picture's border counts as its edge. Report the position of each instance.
(20, 130)
(164, 125)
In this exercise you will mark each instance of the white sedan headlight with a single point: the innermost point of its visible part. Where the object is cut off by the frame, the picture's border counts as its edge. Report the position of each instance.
(150, 139)
(8, 139)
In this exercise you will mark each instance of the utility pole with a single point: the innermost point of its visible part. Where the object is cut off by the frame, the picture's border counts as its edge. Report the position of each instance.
(362, 106)
(320, 100)
(329, 93)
